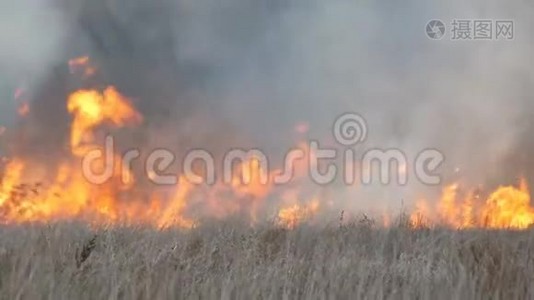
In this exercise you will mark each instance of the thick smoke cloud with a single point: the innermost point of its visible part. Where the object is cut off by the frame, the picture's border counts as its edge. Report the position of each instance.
(31, 37)
(221, 74)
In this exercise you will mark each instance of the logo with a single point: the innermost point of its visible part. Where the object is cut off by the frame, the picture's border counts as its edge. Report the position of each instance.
(435, 29)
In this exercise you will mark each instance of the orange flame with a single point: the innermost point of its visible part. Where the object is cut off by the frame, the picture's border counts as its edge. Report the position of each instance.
(509, 207)
(67, 194)
(295, 214)
(62, 191)
(506, 207)
(82, 64)
(12, 177)
(91, 108)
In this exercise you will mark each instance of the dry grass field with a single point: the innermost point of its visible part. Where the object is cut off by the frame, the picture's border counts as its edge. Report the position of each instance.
(231, 260)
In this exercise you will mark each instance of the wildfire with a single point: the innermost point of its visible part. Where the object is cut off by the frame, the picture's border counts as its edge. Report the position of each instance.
(509, 207)
(82, 65)
(69, 194)
(249, 180)
(91, 108)
(38, 191)
(12, 175)
(34, 191)
(506, 207)
(173, 215)
(295, 214)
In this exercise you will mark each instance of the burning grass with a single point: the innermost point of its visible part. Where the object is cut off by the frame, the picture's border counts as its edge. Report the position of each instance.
(168, 251)
(62, 189)
(233, 260)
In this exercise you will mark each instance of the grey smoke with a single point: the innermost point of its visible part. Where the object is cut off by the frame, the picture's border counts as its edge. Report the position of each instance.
(212, 73)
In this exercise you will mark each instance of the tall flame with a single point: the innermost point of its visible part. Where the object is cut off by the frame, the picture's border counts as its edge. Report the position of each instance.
(505, 207)
(509, 207)
(91, 108)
